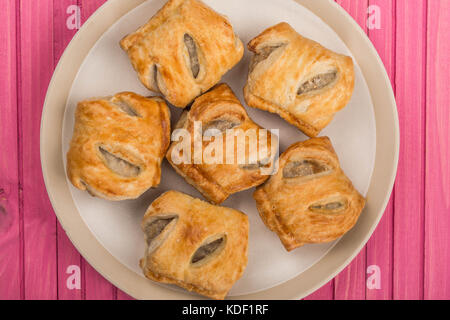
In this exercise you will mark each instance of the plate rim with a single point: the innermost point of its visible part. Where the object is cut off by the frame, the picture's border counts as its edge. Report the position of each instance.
(127, 280)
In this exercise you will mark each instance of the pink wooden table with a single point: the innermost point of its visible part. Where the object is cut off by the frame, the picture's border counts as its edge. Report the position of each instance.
(408, 257)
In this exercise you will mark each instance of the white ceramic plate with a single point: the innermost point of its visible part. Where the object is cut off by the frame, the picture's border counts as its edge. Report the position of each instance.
(108, 233)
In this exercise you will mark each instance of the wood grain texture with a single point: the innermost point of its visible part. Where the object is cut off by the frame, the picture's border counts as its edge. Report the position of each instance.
(123, 296)
(97, 287)
(357, 9)
(36, 67)
(380, 246)
(409, 188)
(67, 254)
(10, 215)
(437, 181)
(326, 292)
(350, 284)
(88, 7)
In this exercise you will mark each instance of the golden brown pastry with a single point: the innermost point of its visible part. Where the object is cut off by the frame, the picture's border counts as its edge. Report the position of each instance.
(242, 164)
(305, 83)
(118, 145)
(309, 200)
(194, 245)
(183, 50)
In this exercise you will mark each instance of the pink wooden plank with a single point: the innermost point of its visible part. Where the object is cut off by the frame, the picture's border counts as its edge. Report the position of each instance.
(437, 205)
(63, 29)
(324, 293)
(409, 188)
(88, 7)
(380, 246)
(96, 287)
(123, 296)
(36, 43)
(350, 283)
(10, 217)
(357, 9)
(68, 256)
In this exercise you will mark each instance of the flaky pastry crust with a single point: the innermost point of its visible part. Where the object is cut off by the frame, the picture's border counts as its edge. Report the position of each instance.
(176, 251)
(118, 144)
(297, 78)
(309, 200)
(183, 50)
(221, 108)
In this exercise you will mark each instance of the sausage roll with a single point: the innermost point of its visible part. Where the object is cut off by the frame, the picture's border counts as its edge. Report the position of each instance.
(309, 200)
(225, 151)
(194, 245)
(118, 145)
(297, 78)
(183, 50)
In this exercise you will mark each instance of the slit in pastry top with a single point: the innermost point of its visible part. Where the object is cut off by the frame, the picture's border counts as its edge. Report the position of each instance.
(156, 227)
(262, 55)
(318, 82)
(305, 168)
(330, 206)
(125, 107)
(118, 165)
(191, 47)
(220, 125)
(153, 79)
(258, 165)
(208, 251)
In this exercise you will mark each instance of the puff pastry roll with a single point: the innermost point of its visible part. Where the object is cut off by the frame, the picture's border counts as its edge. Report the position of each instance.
(183, 50)
(194, 245)
(245, 162)
(118, 145)
(309, 200)
(297, 78)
